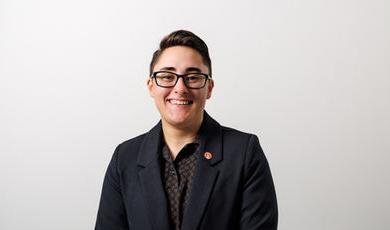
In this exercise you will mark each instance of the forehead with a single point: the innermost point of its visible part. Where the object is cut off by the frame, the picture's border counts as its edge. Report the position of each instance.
(180, 58)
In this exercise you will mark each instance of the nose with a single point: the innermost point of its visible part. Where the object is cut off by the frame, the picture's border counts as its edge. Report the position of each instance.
(180, 86)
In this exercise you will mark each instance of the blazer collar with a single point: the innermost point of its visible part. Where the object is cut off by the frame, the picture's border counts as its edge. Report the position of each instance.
(210, 134)
(210, 137)
(151, 147)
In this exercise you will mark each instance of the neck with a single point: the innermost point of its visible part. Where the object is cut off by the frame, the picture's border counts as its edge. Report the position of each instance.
(177, 137)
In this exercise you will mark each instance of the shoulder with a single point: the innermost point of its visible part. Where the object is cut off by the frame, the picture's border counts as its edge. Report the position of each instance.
(233, 140)
(131, 144)
(243, 145)
(237, 136)
(140, 149)
(126, 153)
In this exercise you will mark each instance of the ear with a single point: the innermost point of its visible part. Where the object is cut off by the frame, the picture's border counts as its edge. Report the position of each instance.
(150, 86)
(210, 87)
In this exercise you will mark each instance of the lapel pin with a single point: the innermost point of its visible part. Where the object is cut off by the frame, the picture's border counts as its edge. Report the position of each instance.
(208, 155)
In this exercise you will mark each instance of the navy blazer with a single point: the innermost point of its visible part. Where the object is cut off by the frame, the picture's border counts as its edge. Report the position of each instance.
(232, 190)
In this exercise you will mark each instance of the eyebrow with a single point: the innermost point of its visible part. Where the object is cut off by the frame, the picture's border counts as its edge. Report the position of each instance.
(189, 69)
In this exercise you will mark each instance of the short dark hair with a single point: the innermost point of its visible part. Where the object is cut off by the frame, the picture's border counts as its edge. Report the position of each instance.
(182, 38)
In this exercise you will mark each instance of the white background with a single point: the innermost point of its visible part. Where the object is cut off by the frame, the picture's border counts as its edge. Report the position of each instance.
(311, 78)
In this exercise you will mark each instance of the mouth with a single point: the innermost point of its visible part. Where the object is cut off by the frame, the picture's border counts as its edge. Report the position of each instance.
(180, 101)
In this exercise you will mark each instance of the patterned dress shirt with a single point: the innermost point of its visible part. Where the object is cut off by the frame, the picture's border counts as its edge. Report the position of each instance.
(177, 179)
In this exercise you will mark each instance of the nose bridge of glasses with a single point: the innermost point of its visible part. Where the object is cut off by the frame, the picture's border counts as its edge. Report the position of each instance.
(183, 80)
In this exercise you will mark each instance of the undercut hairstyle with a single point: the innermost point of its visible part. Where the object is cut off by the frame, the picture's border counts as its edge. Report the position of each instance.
(182, 38)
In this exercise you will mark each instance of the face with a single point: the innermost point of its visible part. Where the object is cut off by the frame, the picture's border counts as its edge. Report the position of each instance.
(179, 106)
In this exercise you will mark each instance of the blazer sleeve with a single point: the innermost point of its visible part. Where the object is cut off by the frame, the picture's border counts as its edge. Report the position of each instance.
(112, 214)
(259, 206)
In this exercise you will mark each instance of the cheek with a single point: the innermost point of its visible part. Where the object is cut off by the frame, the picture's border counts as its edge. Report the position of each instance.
(161, 94)
(202, 97)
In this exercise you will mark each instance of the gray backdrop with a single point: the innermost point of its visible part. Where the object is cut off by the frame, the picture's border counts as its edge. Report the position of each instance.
(311, 78)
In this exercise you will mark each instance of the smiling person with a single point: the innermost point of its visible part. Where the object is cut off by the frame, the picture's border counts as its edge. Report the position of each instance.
(188, 171)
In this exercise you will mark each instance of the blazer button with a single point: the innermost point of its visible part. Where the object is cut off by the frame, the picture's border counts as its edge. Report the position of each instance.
(208, 155)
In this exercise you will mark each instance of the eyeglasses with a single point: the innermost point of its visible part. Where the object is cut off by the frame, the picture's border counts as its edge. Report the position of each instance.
(168, 79)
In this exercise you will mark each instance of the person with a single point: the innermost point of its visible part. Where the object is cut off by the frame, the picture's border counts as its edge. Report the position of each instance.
(188, 171)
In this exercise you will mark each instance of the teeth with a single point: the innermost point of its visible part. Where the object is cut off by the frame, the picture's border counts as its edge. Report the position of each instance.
(177, 102)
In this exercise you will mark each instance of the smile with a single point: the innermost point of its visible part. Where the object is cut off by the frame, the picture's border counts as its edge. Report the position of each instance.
(180, 102)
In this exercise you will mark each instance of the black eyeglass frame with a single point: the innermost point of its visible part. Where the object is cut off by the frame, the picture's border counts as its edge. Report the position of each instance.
(208, 77)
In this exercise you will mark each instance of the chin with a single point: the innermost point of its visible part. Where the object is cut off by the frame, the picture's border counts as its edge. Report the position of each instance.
(180, 120)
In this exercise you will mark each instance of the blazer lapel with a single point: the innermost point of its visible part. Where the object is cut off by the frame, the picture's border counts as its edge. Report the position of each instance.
(206, 175)
(150, 177)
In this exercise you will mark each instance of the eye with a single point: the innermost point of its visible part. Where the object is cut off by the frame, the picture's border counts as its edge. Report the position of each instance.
(166, 76)
(194, 77)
